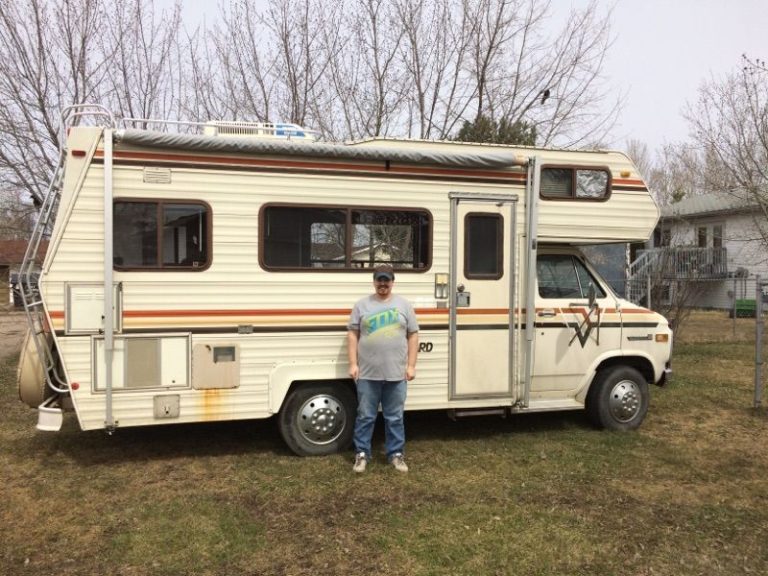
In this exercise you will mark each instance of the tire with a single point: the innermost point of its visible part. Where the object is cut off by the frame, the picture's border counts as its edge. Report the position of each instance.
(618, 399)
(318, 419)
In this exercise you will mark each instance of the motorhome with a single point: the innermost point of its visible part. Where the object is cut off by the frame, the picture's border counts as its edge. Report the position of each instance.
(207, 274)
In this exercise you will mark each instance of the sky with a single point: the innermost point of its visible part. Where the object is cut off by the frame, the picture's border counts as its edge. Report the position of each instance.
(663, 51)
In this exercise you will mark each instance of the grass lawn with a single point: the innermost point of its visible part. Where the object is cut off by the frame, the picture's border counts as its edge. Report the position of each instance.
(533, 495)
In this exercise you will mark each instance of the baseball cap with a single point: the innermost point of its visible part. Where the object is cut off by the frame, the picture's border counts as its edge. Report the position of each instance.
(384, 271)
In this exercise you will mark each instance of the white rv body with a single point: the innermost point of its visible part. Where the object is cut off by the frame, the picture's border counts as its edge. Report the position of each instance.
(232, 336)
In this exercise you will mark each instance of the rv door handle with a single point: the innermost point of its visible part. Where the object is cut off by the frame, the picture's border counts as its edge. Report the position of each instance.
(546, 313)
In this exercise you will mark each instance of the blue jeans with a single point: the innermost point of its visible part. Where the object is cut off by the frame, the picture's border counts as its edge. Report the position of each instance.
(391, 396)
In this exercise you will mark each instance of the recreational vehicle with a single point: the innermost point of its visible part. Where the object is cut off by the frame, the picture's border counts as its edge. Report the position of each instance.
(209, 276)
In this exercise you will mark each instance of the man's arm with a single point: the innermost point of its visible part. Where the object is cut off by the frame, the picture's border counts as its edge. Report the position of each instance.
(353, 336)
(413, 350)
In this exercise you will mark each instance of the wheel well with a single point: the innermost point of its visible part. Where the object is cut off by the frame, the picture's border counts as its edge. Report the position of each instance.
(346, 382)
(642, 365)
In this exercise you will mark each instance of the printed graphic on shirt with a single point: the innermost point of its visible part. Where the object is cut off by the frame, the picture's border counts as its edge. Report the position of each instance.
(385, 324)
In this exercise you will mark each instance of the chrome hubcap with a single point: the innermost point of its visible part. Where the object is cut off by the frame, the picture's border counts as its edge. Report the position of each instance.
(321, 419)
(625, 400)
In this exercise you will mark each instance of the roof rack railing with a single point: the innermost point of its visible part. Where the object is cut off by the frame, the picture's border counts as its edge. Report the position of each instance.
(161, 125)
(229, 128)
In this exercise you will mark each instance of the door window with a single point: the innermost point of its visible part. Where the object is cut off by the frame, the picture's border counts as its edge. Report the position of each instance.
(483, 246)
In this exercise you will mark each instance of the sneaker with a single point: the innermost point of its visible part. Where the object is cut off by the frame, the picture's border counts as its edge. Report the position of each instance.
(399, 463)
(360, 462)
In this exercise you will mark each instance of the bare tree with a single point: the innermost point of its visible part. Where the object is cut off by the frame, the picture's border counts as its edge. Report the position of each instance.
(54, 54)
(492, 58)
(437, 96)
(730, 123)
(353, 68)
(143, 78)
(17, 215)
(46, 63)
(365, 89)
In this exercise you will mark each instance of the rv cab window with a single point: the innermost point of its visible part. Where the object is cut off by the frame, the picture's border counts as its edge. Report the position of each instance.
(565, 276)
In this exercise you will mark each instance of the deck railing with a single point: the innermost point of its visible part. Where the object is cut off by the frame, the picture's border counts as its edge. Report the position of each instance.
(690, 263)
(674, 263)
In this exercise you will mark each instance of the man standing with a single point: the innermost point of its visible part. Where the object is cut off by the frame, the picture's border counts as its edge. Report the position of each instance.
(382, 343)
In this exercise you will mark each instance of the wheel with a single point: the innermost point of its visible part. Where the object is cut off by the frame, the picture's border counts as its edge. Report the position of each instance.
(618, 399)
(318, 419)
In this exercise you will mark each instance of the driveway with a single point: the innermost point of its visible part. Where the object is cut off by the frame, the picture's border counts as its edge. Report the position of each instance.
(13, 326)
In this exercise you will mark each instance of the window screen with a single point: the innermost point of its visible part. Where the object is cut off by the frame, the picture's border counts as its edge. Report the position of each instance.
(483, 246)
(158, 235)
(312, 237)
(557, 182)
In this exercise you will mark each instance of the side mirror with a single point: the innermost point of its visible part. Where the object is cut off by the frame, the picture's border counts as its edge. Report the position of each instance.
(591, 294)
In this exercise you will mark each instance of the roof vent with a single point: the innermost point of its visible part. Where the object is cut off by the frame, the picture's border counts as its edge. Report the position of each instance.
(235, 129)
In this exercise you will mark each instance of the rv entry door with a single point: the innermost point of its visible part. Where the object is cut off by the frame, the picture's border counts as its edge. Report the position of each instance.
(482, 319)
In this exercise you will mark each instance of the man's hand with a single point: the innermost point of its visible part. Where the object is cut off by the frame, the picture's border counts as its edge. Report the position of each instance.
(352, 338)
(410, 373)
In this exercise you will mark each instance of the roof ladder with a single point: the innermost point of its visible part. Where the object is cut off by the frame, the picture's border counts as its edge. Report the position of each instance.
(37, 314)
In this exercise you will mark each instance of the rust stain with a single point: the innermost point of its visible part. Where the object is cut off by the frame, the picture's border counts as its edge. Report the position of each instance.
(211, 404)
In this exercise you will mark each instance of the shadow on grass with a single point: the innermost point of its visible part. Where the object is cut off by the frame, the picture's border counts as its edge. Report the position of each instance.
(160, 443)
(261, 438)
(248, 438)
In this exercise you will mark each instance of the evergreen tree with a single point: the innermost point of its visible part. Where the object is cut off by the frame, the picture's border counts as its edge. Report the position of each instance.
(487, 130)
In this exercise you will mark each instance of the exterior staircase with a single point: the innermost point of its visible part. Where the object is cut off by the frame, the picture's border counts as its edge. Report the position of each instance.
(674, 263)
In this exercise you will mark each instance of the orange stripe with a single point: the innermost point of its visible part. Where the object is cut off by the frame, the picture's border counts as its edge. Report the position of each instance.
(229, 313)
(336, 312)
(176, 313)
(482, 311)
(628, 182)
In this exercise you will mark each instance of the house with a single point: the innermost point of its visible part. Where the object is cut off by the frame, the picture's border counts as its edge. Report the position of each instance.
(11, 257)
(713, 241)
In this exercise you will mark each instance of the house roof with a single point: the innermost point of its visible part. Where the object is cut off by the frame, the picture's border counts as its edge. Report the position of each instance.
(12, 251)
(706, 205)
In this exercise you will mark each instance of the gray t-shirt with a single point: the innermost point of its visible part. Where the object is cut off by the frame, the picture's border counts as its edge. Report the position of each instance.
(382, 351)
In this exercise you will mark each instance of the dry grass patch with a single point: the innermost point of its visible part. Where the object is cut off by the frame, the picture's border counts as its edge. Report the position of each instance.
(537, 494)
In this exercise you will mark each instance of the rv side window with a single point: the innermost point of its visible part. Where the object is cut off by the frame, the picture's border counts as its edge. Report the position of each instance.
(343, 238)
(155, 235)
(571, 183)
(483, 241)
(564, 276)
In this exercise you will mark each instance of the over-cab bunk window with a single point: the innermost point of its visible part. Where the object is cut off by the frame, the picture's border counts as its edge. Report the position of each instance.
(161, 235)
(294, 237)
(575, 183)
